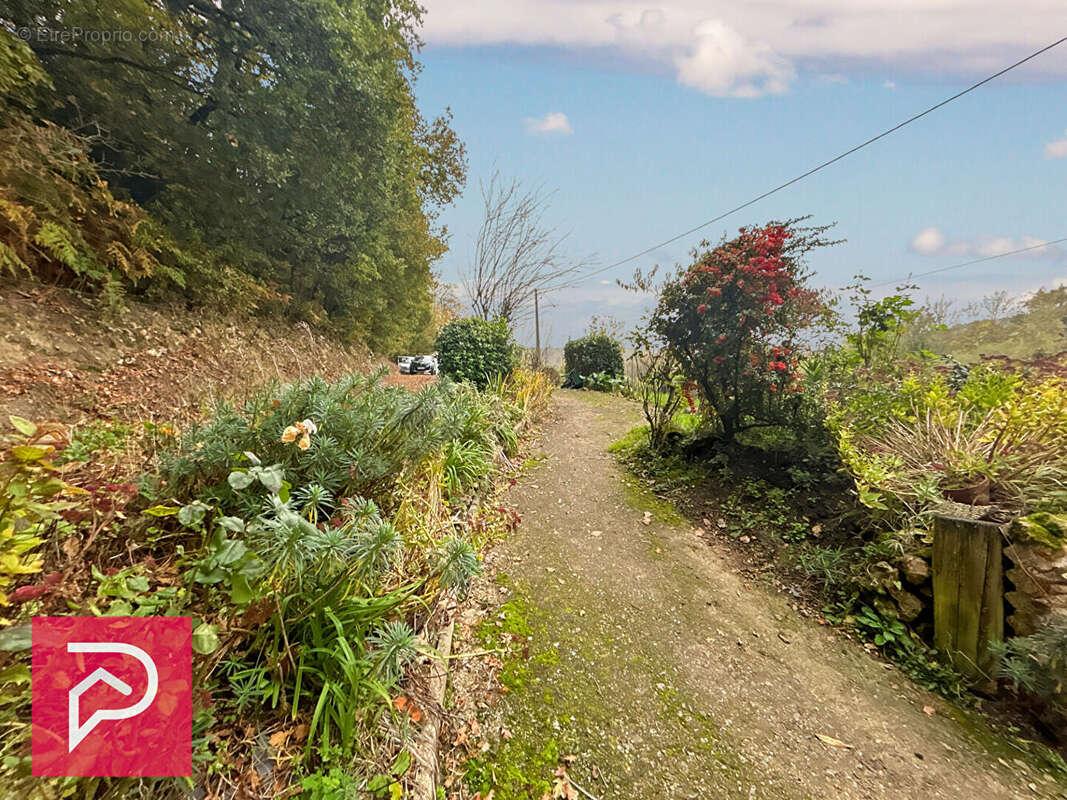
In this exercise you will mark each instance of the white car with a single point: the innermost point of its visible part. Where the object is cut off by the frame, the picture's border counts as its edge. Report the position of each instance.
(423, 365)
(403, 364)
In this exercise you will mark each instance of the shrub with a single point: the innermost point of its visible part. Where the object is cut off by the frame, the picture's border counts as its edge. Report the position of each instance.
(1038, 665)
(735, 320)
(474, 350)
(592, 354)
(908, 441)
(31, 500)
(351, 437)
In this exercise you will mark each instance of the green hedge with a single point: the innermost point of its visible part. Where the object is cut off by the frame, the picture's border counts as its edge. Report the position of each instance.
(473, 349)
(591, 354)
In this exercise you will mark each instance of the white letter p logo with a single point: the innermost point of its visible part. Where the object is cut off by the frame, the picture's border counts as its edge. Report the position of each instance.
(76, 732)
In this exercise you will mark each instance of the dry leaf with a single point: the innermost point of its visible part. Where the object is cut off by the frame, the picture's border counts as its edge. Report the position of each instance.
(279, 739)
(928, 710)
(830, 740)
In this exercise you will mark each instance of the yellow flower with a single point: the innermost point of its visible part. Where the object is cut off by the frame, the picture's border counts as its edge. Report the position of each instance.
(300, 432)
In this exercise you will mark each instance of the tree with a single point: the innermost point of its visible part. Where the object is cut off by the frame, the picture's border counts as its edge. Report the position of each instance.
(281, 137)
(516, 252)
(880, 324)
(733, 322)
(995, 307)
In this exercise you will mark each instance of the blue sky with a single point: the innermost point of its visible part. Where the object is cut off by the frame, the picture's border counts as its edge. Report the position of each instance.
(644, 143)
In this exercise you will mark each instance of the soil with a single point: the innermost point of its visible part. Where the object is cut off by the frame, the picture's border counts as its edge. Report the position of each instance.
(639, 662)
(63, 357)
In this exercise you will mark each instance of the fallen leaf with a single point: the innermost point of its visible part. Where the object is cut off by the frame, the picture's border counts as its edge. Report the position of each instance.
(928, 710)
(278, 739)
(830, 740)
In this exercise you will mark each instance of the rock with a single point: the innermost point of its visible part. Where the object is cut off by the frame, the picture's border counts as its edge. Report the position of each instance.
(886, 607)
(914, 570)
(881, 576)
(1039, 578)
(910, 606)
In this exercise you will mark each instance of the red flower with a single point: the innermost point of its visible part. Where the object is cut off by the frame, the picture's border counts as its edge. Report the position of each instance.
(701, 308)
(714, 291)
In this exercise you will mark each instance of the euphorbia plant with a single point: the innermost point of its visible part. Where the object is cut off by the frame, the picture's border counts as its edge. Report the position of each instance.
(734, 320)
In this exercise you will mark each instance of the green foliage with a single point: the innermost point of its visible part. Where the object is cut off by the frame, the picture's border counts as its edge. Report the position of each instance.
(457, 564)
(476, 350)
(334, 784)
(594, 358)
(87, 440)
(219, 129)
(830, 566)
(1036, 330)
(908, 440)
(880, 324)
(756, 506)
(1037, 664)
(31, 499)
(602, 382)
(734, 322)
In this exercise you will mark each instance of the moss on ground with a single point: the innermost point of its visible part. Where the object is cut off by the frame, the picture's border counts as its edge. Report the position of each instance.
(644, 499)
(557, 705)
(1006, 748)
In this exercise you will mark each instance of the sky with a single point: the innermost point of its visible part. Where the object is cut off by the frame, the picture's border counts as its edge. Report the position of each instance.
(647, 119)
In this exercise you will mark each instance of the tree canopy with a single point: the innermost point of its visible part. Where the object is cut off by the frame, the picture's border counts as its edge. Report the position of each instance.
(279, 137)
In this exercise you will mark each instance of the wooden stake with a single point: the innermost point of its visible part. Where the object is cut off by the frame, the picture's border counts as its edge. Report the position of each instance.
(425, 751)
(968, 593)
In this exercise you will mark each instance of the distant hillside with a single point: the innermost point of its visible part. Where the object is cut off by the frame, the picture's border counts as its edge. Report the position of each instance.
(1040, 329)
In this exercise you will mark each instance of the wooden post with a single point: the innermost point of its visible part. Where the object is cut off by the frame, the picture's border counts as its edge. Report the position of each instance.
(537, 330)
(968, 593)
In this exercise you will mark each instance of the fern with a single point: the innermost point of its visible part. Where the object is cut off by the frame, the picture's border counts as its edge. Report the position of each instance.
(10, 260)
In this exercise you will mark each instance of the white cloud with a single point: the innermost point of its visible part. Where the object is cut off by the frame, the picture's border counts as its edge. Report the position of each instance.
(554, 122)
(932, 242)
(889, 85)
(744, 49)
(1057, 149)
(723, 63)
(928, 242)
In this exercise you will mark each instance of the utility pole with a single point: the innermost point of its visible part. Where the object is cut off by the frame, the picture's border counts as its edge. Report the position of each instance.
(537, 330)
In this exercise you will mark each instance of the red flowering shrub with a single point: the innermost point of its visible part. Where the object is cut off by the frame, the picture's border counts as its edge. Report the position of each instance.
(734, 321)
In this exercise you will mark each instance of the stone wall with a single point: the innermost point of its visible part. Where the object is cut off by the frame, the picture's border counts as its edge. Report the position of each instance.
(1038, 583)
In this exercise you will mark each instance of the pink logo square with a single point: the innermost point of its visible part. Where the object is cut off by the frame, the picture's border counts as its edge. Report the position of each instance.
(112, 696)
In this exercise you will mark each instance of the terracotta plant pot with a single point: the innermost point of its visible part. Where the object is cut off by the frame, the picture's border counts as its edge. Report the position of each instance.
(974, 494)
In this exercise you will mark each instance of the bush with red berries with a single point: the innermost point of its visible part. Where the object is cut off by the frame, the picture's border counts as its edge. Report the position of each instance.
(735, 322)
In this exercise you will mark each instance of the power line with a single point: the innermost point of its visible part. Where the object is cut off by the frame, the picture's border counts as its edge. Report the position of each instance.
(969, 263)
(823, 165)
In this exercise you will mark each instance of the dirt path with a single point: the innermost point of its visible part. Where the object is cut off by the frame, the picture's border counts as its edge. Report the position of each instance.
(666, 675)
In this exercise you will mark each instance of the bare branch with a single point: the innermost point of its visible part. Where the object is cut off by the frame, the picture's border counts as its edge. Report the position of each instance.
(516, 252)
